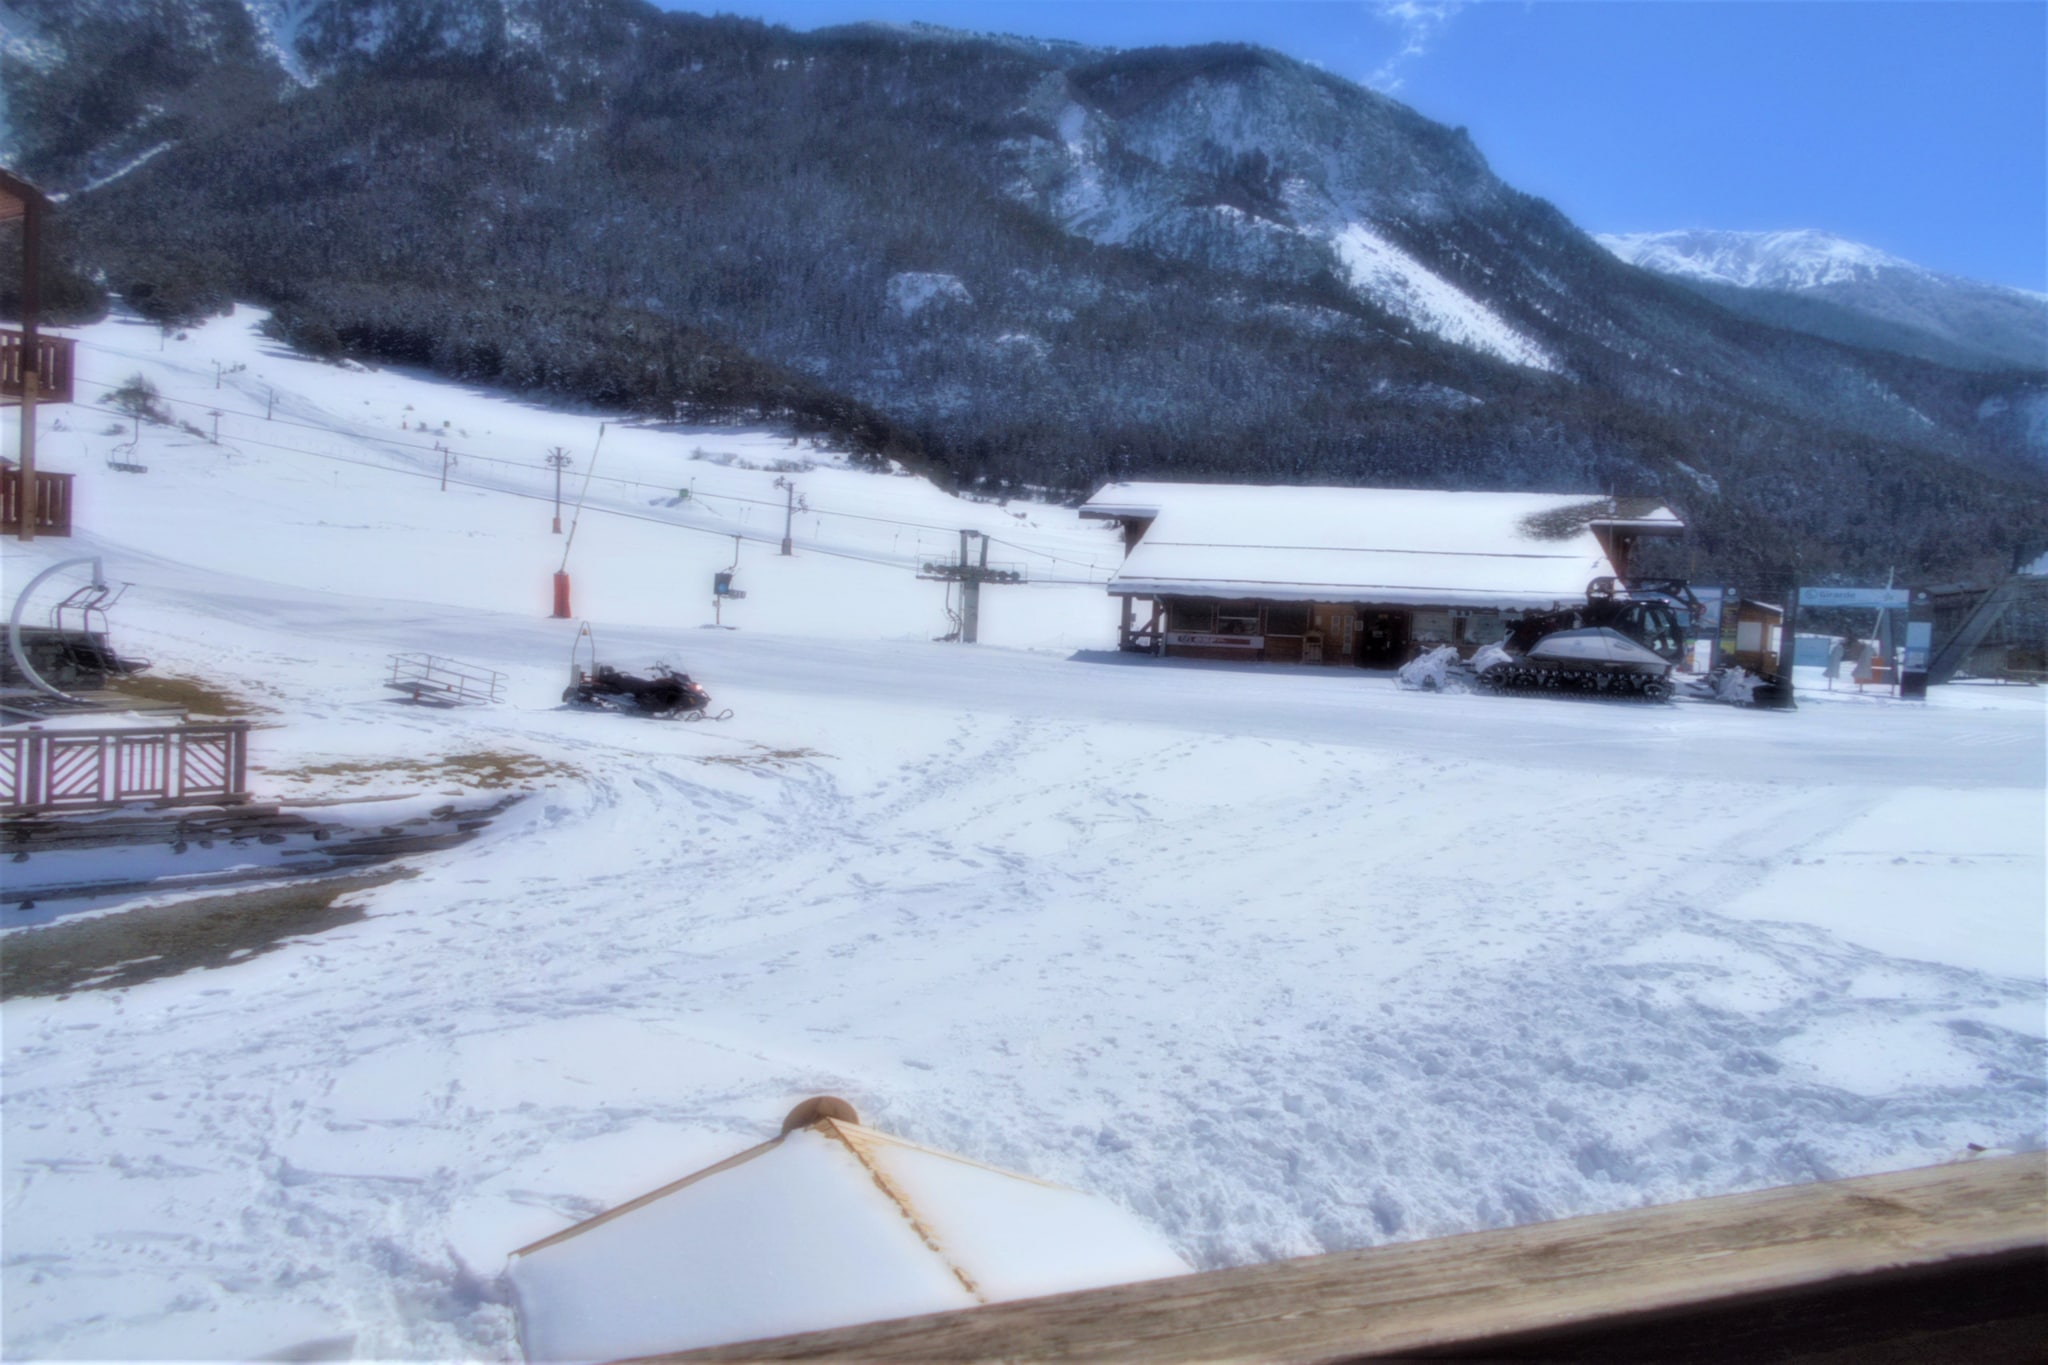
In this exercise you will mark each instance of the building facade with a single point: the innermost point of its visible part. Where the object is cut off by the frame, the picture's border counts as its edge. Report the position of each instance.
(1365, 577)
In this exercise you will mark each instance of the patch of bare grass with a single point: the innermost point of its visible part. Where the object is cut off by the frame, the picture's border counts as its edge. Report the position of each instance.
(764, 758)
(481, 770)
(111, 951)
(197, 696)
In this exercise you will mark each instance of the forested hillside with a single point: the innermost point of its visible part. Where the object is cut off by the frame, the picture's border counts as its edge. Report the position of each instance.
(1024, 265)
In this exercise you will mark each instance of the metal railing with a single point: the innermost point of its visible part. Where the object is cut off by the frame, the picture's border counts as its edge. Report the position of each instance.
(439, 681)
(85, 769)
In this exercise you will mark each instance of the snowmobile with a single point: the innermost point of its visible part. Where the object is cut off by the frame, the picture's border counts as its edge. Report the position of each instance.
(667, 695)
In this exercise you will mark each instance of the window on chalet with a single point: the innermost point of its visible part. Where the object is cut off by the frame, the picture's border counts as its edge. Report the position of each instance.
(1237, 618)
(1287, 618)
(1199, 617)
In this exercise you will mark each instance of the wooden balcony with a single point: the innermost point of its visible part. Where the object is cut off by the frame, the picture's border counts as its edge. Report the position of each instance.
(52, 504)
(53, 367)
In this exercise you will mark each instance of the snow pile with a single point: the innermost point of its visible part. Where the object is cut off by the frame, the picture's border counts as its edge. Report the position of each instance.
(1431, 672)
(1737, 687)
(1388, 276)
(1488, 656)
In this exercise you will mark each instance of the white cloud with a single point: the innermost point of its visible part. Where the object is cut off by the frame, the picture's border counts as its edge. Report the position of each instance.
(1418, 23)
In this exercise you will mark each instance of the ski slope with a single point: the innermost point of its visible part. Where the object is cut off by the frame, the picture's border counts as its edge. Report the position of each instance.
(1281, 960)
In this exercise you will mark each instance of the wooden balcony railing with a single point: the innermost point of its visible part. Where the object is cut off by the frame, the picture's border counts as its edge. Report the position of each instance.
(1944, 1264)
(83, 769)
(53, 369)
(52, 504)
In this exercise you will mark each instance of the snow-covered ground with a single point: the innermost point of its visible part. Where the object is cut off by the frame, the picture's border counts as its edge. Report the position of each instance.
(1282, 960)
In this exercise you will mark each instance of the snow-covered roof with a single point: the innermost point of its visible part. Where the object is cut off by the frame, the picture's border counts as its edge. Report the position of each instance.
(830, 1224)
(1400, 546)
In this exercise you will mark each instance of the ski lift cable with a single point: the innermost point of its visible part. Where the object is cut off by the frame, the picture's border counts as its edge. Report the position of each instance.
(1043, 554)
(441, 447)
(599, 509)
(541, 470)
(497, 459)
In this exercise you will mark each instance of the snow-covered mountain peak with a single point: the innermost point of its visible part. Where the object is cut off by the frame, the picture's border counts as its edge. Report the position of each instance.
(1800, 258)
(1918, 311)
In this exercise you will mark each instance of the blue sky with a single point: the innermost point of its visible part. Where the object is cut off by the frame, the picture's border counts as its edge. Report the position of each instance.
(1920, 127)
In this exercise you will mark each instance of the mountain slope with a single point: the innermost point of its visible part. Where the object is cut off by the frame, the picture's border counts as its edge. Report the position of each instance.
(1849, 292)
(1025, 264)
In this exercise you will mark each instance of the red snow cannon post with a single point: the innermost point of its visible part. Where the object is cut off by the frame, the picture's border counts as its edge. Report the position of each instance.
(561, 596)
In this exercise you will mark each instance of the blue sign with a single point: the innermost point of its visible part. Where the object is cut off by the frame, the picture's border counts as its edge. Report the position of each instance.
(1919, 637)
(1879, 599)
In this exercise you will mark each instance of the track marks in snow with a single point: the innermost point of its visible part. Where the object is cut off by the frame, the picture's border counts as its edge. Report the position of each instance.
(1276, 995)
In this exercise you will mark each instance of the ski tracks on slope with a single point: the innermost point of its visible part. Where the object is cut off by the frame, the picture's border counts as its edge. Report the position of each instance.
(1278, 997)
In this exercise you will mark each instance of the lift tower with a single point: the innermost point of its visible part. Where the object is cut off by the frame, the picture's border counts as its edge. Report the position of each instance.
(970, 575)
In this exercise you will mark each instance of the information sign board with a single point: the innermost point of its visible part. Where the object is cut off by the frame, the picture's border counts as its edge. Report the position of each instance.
(1880, 599)
(1919, 638)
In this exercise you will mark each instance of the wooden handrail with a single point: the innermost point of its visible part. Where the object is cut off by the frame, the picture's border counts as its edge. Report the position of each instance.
(52, 503)
(53, 366)
(1973, 1233)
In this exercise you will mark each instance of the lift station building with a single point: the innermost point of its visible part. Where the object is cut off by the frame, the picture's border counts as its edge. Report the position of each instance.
(1368, 577)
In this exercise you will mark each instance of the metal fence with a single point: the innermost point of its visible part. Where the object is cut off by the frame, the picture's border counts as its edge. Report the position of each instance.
(438, 681)
(85, 769)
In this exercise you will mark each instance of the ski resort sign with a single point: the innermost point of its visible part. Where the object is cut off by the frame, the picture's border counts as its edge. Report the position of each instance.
(1187, 637)
(1878, 599)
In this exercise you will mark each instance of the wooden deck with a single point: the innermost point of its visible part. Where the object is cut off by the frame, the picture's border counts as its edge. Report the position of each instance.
(1948, 1263)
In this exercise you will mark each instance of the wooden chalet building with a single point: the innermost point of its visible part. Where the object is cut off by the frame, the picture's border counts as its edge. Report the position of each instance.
(33, 369)
(1360, 576)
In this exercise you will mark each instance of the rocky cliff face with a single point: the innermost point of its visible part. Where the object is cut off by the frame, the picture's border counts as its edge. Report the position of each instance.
(1028, 264)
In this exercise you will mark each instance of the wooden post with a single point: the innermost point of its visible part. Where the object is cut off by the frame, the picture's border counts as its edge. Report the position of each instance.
(789, 516)
(31, 356)
(238, 749)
